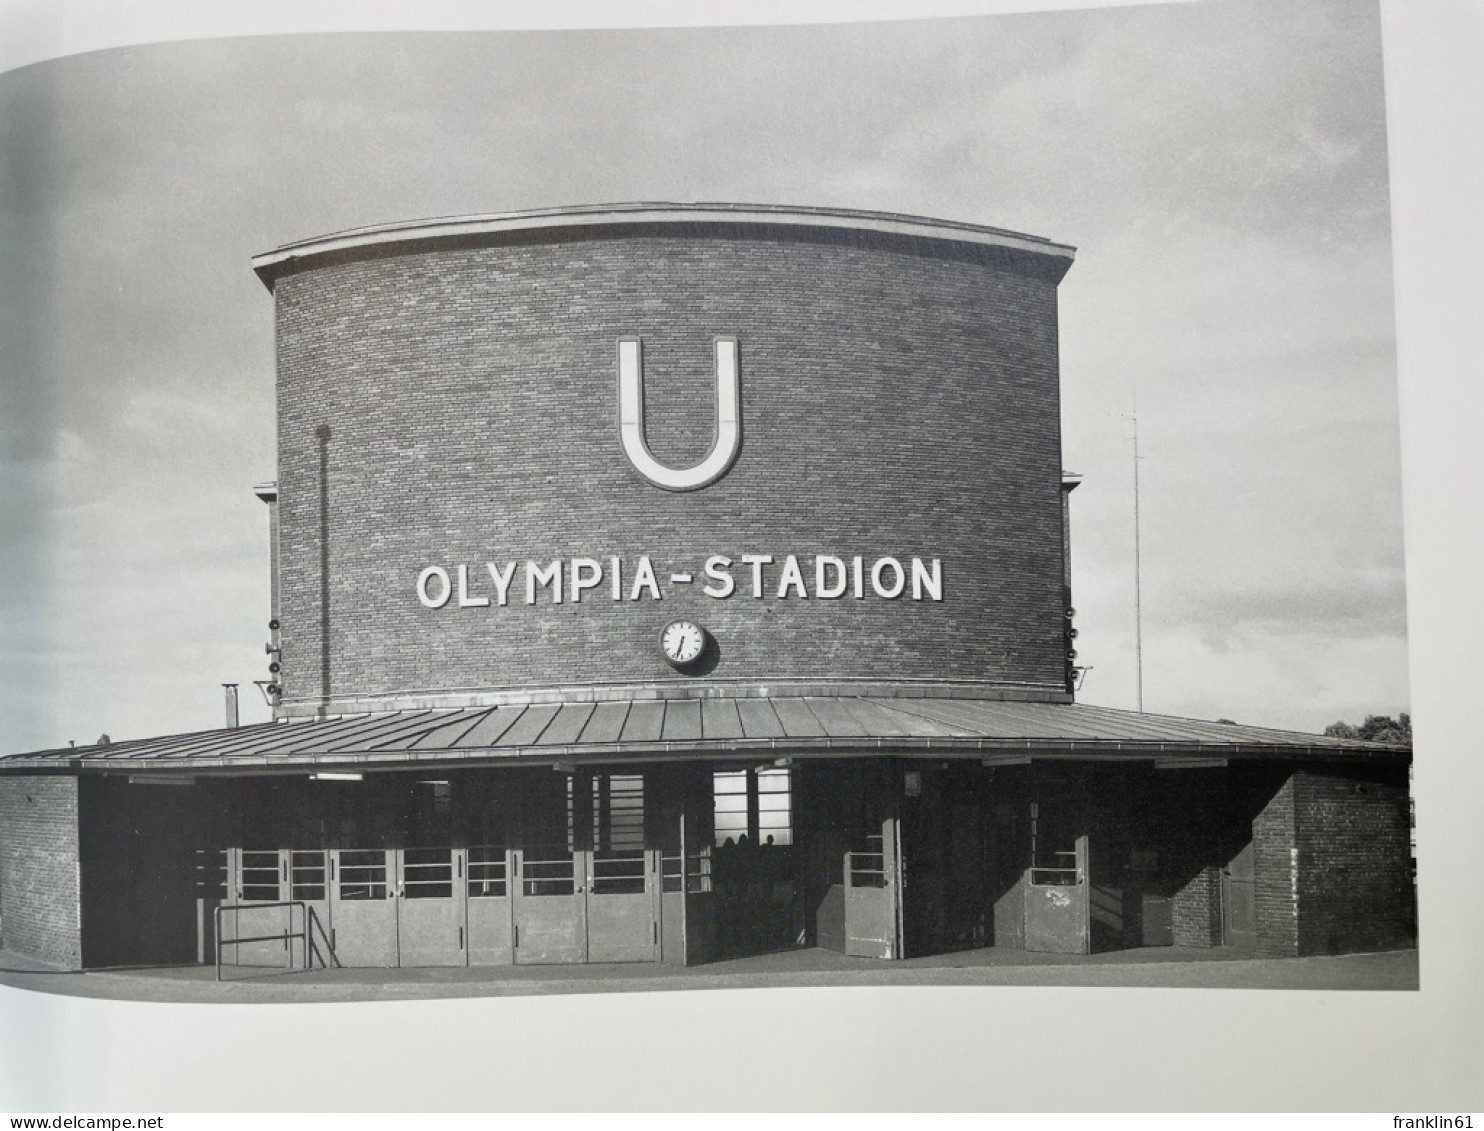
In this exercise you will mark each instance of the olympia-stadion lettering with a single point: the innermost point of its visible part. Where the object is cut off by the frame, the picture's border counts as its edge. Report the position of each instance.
(762, 576)
(826, 576)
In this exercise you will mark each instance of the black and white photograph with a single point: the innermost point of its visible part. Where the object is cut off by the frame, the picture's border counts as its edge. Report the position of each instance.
(758, 532)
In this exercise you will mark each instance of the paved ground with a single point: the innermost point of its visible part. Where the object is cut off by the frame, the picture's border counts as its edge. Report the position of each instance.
(1161, 967)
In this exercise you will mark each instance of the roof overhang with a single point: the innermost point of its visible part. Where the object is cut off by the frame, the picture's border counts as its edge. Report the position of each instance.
(717, 729)
(590, 220)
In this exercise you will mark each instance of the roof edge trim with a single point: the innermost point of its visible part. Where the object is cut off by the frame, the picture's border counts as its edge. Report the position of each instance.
(269, 265)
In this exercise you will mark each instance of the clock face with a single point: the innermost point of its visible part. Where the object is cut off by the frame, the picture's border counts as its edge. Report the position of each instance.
(682, 642)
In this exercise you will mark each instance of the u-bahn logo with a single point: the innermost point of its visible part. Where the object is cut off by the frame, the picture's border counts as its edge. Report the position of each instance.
(631, 420)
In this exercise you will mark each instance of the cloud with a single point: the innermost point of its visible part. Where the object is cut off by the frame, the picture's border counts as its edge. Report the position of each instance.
(1296, 681)
(1221, 165)
(1358, 604)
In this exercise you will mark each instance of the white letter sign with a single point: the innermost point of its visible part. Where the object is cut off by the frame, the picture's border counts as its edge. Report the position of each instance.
(631, 419)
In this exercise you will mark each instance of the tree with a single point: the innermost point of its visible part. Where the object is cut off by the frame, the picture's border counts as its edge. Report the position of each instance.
(1376, 728)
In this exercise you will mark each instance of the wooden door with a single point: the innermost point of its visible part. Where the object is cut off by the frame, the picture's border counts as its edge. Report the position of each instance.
(1239, 899)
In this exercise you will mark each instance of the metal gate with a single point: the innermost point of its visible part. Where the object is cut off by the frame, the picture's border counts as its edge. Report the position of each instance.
(1058, 914)
(622, 888)
(550, 905)
(258, 876)
(488, 912)
(363, 906)
(586, 887)
(430, 907)
(308, 883)
(872, 891)
(420, 906)
(579, 884)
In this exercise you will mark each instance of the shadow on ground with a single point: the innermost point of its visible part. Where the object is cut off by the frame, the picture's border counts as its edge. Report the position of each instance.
(1174, 968)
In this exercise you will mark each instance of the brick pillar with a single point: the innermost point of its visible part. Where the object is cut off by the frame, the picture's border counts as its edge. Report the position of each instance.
(40, 904)
(1276, 851)
(1355, 883)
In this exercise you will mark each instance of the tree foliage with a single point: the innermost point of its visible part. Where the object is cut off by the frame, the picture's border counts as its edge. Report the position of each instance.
(1376, 728)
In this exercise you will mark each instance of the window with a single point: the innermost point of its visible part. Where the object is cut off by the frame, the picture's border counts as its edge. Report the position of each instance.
(307, 873)
(427, 873)
(618, 834)
(774, 807)
(362, 874)
(729, 795)
(756, 805)
(487, 875)
(260, 874)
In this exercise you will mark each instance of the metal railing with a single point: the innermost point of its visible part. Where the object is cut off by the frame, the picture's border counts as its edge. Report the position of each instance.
(1064, 873)
(286, 936)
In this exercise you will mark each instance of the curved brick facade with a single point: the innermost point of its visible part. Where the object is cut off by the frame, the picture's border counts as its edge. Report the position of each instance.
(453, 402)
(461, 394)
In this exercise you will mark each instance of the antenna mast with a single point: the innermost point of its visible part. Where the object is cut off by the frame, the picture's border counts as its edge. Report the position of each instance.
(1138, 575)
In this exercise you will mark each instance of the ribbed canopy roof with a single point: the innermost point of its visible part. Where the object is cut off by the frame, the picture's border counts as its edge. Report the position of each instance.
(718, 727)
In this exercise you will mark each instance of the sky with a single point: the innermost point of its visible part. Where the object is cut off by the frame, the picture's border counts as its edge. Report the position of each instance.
(1221, 168)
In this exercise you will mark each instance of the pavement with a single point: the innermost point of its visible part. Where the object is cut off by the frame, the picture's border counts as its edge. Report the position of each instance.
(1165, 967)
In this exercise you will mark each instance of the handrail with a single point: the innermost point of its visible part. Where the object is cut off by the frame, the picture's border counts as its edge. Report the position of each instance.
(1074, 874)
(285, 936)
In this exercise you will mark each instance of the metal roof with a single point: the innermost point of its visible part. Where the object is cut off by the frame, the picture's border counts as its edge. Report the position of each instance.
(716, 727)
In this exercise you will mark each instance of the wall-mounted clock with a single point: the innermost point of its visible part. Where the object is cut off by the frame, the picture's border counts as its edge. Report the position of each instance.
(682, 642)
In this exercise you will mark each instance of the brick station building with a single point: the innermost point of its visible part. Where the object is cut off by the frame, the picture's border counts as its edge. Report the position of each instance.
(662, 583)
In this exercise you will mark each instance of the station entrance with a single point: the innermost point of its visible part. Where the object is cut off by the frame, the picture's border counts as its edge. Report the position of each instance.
(701, 862)
(687, 864)
(556, 871)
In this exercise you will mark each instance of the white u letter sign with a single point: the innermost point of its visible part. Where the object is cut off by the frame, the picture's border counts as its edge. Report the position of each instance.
(631, 419)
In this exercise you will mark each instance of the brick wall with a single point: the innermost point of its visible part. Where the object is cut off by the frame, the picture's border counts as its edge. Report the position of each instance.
(1196, 910)
(1333, 869)
(1355, 885)
(40, 910)
(896, 401)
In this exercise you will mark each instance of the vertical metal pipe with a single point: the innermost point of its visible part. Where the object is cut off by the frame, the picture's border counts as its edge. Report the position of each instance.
(231, 690)
(322, 433)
